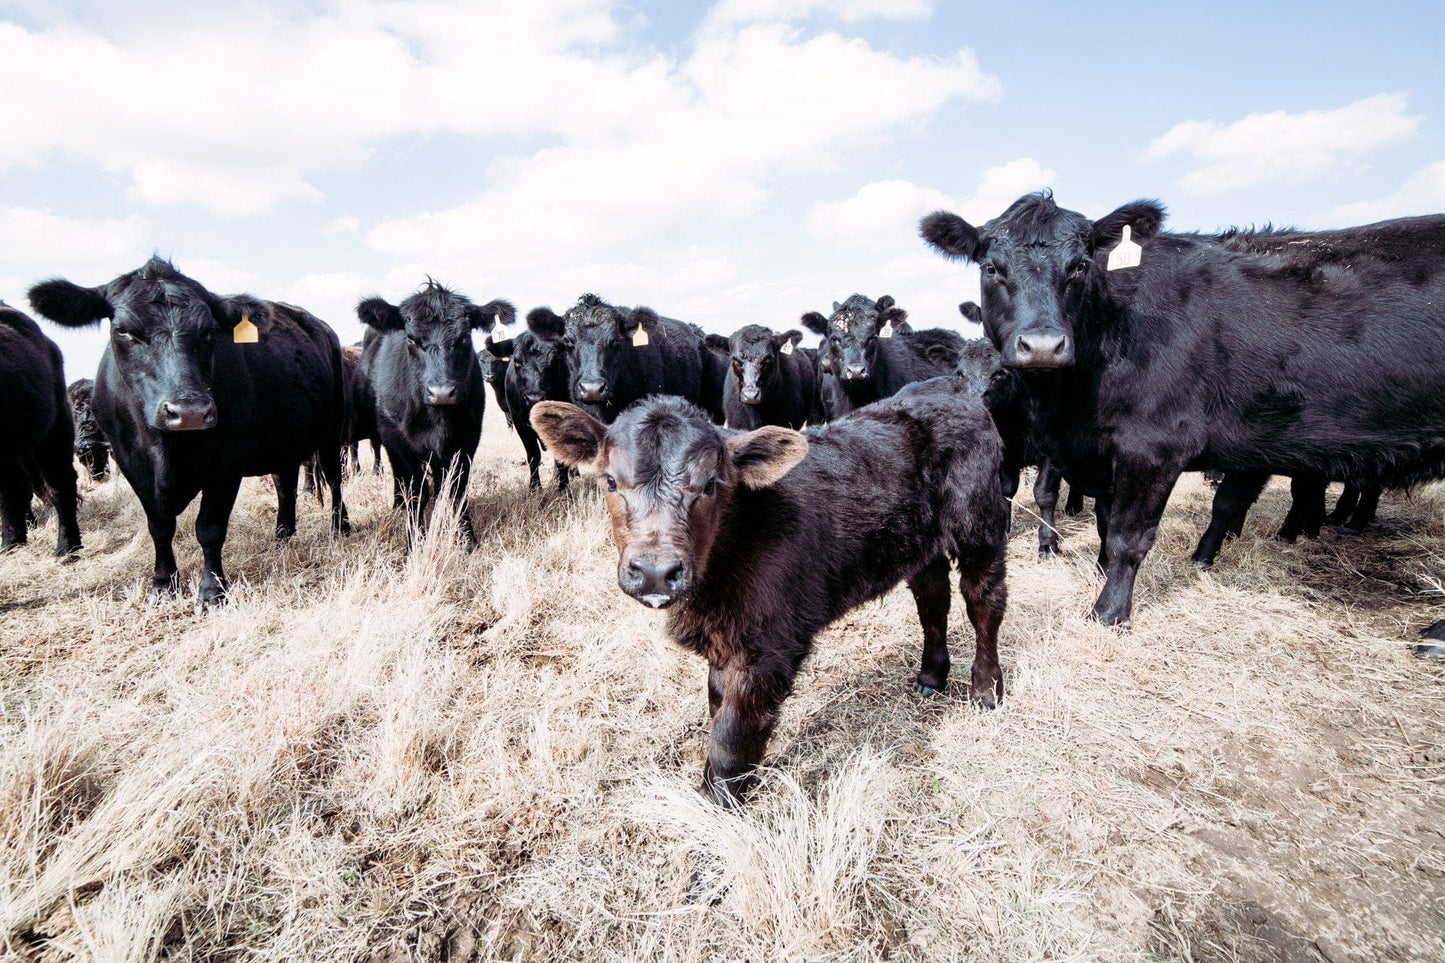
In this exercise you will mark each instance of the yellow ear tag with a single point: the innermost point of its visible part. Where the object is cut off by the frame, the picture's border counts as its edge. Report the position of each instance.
(787, 347)
(1127, 254)
(245, 332)
(640, 338)
(886, 331)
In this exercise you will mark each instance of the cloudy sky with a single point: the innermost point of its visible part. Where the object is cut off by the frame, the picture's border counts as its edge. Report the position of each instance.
(739, 162)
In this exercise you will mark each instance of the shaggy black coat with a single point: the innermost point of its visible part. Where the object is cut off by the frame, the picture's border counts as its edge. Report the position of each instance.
(91, 448)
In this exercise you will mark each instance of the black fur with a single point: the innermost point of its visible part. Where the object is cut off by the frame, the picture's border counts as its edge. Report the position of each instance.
(91, 448)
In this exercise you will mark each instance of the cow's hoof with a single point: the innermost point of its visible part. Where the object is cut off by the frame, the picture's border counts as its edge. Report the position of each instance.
(984, 698)
(705, 886)
(1434, 652)
(1048, 552)
(1351, 530)
(925, 691)
(1203, 564)
(157, 597)
(1285, 539)
(283, 533)
(9, 547)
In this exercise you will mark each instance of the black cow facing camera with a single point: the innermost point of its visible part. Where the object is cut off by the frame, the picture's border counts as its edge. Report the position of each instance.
(734, 534)
(197, 391)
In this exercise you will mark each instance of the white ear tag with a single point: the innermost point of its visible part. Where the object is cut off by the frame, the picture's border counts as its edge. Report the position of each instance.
(886, 331)
(787, 347)
(639, 337)
(1126, 254)
(500, 333)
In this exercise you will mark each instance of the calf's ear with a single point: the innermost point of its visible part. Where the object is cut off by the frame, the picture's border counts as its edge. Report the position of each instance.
(763, 456)
(952, 236)
(380, 314)
(815, 322)
(791, 336)
(70, 305)
(491, 314)
(1144, 219)
(716, 342)
(572, 435)
(971, 311)
(500, 349)
(546, 323)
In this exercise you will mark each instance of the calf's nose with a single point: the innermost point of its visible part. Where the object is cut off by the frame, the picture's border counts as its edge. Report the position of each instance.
(655, 583)
(441, 395)
(187, 415)
(1043, 349)
(593, 390)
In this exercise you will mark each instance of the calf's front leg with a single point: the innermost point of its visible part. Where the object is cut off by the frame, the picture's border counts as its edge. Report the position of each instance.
(932, 595)
(746, 701)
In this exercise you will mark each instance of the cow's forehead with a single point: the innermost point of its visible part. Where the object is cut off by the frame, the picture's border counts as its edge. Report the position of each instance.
(853, 321)
(659, 443)
(754, 338)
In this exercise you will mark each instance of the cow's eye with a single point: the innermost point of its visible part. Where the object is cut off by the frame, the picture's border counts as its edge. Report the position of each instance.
(1078, 268)
(710, 488)
(128, 337)
(990, 270)
(610, 482)
(413, 341)
(207, 336)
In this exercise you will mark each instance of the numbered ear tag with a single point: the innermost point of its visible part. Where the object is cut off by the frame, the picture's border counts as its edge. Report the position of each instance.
(787, 347)
(639, 337)
(1127, 254)
(245, 332)
(500, 333)
(886, 331)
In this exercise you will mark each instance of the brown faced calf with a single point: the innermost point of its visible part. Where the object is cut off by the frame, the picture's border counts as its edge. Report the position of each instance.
(756, 541)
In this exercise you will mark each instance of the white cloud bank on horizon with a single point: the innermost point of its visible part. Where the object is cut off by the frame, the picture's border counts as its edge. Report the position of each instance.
(1422, 193)
(1266, 147)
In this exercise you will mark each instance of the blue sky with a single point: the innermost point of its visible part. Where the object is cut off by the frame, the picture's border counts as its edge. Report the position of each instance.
(739, 162)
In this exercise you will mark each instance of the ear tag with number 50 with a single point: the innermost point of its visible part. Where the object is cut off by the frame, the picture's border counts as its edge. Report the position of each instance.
(1127, 254)
(245, 331)
(639, 337)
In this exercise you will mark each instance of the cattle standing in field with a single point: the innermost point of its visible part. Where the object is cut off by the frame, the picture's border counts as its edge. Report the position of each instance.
(769, 381)
(1238, 490)
(1290, 351)
(612, 365)
(495, 359)
(538, 372)
(196, 392)
(90, 445)
(736, 533)
(361, 408)
(37, 435)
(873, 353)
(428, 391)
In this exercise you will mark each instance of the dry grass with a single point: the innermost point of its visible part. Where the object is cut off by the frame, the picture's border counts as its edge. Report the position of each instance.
(493, 756)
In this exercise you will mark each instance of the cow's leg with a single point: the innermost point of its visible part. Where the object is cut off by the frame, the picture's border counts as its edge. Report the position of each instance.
(533, 448)
(985, 594)
(376, 467)
(932, 595)
(14, 504)
(165, 583)
(1349, 498)
(1364, 512)
(1102, 507)
(1236, 492)
(400, 489)
(1139, 493)
(56, 459)
(1307, 507)
(330, 467)
(564, 475)
(211, 523)
(1046, 496)
(1009, 480)
(745, 716)
(458, 481)
(1075, 504)
(285, 483)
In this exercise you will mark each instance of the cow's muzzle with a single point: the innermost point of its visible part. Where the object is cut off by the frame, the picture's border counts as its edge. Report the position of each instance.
(187, 415)
(441, 396)
(593, 391)
(1042, 348)
(655, 582)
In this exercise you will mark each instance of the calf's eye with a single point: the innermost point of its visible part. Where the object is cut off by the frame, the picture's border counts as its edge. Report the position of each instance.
(710, 488)
(611, 482)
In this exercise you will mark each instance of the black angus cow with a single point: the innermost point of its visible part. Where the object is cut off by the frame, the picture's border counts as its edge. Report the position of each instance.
(873, 353)
(770, 381)
(734, 532)
(495, 359)
(361, 407)
(428, 389)
(538, 372)
(37, 436)
(1300, 352)
(197, 391)
(90, 445)
(611, 365)
(713, 391)
(350, 444)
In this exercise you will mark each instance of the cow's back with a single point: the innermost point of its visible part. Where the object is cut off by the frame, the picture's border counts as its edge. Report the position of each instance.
(32, 385)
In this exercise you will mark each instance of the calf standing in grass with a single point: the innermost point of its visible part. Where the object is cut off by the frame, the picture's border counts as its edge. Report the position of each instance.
(769, 381)
(428, 390)
(538, 372)
(741, 536)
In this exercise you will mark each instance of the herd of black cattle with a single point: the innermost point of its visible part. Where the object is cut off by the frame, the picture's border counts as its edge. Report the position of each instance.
(1117, 357)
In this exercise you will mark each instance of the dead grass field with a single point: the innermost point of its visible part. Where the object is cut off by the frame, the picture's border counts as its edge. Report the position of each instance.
(455, 757)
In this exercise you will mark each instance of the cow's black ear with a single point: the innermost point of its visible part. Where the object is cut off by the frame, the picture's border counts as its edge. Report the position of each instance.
(952, 236)
(718, 343)
(546, 323)
(792, 334)
(815, 322)
(230, 311)
(380, 314)
(1144, 218)
(646, 317)
(70, 305)
(971, 311)
(889, 311)
(491, 314)
(500, 349)
(763, 456)
(572, 435)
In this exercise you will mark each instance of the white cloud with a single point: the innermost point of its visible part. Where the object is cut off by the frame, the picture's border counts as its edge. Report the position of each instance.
(745, 110)
(851, 11)
(40, 240)
(1275, 146)
(1422, 193)
(346, 224)
(885, 213)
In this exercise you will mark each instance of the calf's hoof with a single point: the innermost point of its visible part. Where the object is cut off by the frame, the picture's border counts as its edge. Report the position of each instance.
(926, 691)
(1434, 652)
(1203, 564)
(209, 603)
(987, 696)
(283, 532)
(1047, 552)
(161, 595)
(1112, 618)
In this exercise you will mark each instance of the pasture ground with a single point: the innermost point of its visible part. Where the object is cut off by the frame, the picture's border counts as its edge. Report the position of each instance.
(453, 757)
